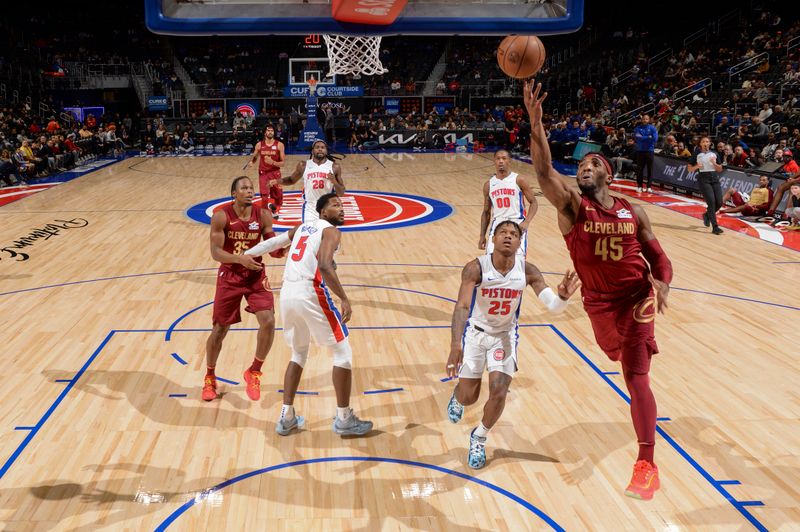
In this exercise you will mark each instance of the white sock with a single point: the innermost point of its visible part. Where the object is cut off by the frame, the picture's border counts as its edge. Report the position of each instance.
(481, 431)
(287, 412)
(343, 413)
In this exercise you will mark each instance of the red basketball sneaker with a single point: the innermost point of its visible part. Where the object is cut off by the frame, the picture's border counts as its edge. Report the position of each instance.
(210, 389)
(644, 482)
(253, 380)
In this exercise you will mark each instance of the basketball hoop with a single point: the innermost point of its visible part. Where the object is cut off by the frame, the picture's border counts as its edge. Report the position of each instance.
(312, 86)
(354, 55)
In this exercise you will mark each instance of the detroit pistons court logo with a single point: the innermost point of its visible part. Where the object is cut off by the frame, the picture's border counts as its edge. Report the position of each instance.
(363, 210)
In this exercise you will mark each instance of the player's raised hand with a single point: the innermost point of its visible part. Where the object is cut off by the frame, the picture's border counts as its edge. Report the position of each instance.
(662, 291)
(346, 310)
(569, 283)
(249, 262)
(533, 102)
(454, 361)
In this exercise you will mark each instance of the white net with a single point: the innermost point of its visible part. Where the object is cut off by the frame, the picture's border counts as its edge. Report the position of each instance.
(354, 55)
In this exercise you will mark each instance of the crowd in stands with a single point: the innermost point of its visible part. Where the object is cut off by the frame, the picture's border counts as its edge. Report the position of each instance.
(34, 147)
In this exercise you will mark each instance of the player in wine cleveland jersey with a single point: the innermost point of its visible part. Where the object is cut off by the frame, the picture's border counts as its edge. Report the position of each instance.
(620, 263)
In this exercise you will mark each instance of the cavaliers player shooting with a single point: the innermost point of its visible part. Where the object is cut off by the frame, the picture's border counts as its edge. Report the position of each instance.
(620, 263)
(271, 156)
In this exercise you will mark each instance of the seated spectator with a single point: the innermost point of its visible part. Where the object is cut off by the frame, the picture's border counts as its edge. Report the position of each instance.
(623, 162)
(793, 209)
(793, 177)
(739, 157)
(756, 205)
(186, 144)
(8, 172)
(682, 151)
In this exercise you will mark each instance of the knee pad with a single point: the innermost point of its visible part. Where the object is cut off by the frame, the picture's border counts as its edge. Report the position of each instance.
(300, 357)
(342, 354)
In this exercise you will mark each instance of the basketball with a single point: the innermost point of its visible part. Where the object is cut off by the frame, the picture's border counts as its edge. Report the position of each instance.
(521, 56)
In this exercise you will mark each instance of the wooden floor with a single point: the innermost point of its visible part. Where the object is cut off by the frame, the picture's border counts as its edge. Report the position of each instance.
(96, 433)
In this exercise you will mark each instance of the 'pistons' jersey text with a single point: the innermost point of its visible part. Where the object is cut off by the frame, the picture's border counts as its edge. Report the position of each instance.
(315, 185)
(497, 298)
(506, 197)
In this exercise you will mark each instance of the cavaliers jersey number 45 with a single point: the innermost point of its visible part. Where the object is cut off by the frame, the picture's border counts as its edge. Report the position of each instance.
(605, 248)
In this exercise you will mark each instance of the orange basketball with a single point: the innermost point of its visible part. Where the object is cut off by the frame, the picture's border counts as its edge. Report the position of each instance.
(521, 56)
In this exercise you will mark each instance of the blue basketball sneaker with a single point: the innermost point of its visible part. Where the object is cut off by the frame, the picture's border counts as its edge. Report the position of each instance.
(477, 451)
(455, 410)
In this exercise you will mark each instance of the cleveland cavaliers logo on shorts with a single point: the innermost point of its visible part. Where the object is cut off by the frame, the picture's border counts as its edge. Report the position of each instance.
(645, 310)
(499, 354)
(363, 210)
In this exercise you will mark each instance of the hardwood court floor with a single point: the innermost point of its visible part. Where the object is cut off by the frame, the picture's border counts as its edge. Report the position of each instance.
(96, 433)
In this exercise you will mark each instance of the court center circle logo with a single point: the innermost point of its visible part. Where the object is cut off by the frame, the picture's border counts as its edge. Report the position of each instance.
(364, 210)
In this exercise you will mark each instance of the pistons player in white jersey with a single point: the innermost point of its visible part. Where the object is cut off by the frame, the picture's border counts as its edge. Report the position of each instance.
(308, 312)
(320, 176)
(485, 329)
(504, 196)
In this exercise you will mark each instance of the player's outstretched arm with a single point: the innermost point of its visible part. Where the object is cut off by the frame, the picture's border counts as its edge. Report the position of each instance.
(563, 198)
(470, 277)
(273, 243)
(330, 241)
(296, 175)
(336, 177)
(660, 265)
(530, 196)
(218, 242)
(486, 216)
(556, 301)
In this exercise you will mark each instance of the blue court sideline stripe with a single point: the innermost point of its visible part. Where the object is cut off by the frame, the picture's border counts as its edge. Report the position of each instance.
(21, 447)
(179, 359)
(663, 419)
(497, 489)
(299, 392)
(389, 390)
(177, 395)
(611, 373)
(725, 482)
(63, 380)
(680, 450)
(24, 428)
(448, 379)
(228, 381)
(751, 503)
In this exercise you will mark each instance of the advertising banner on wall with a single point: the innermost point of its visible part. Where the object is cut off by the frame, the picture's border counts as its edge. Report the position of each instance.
(672, 172)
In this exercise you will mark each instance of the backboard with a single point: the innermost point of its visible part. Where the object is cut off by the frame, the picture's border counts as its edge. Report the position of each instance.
(419, 17)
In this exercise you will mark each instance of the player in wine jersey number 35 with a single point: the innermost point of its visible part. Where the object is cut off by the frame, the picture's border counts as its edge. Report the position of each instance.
(611, 244)
(485, 329)
(308, 312)
(320, 176)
